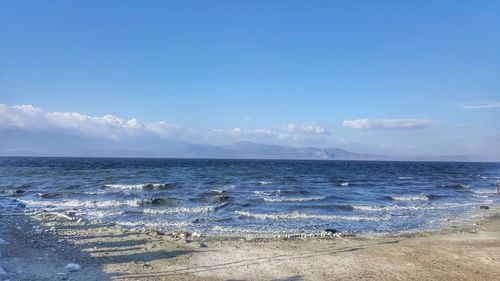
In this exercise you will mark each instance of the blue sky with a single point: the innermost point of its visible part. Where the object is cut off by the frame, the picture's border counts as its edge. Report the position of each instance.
(263, 65)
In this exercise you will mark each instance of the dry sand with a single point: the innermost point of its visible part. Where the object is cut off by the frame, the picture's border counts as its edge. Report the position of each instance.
(40, 246)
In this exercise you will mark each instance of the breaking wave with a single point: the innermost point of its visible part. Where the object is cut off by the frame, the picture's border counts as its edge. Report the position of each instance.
(142, 186)
(295, 199)
(182, 210)
(421, 197)
(301, 216)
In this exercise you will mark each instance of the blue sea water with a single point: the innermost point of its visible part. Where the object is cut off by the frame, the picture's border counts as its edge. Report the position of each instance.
(253, 196)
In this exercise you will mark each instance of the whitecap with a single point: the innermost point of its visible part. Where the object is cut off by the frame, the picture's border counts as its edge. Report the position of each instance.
(421, 197)
(368, 208)
(300, 216)
(264, 182)
(155, 224)
(485, 191)
(295, 199)
(405, 178)
(180, 210)
(344, 183)
(140, 186)
(261, 193)
(125, 186)
(101, 214)
(86, 203)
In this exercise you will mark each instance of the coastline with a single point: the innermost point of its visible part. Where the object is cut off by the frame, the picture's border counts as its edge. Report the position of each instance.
(41, 245)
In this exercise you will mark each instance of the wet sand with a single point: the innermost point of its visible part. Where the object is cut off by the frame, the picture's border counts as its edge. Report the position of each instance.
(41, 245)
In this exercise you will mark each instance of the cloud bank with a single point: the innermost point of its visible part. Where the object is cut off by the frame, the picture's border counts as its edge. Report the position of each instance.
(483, 105)
(392, 124)
(30, 118)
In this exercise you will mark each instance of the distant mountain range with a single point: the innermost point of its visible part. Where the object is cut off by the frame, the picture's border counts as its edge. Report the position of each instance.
(22, 143)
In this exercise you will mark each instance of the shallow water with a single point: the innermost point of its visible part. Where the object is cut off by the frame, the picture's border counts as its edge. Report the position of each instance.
(254, 196)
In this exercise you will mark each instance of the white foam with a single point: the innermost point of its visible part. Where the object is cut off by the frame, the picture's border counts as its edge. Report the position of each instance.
(405, 178)
(492, 177)
(95, 192)
(420, 197)
(101, 214)
(155, 224)
(300, 216)
(485, 191)
(368, 208)
(264, 182)
(86, 203)
(295, 199)
(180, 210)
(344, 183)
(262, 193)
(133, 186)
(229, 187)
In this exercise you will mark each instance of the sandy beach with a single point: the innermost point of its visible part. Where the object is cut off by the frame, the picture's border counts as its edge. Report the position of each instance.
(40, 247)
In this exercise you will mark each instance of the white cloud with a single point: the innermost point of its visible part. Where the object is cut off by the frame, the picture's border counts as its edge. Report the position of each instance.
(28, 117)
(483, 105)
(290, 132)
(296, 131)
(375, 124)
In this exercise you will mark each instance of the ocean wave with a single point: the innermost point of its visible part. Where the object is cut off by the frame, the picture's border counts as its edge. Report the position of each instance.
(456, 186)
(101, 213)
(264, 182)
(344, 183)
(489, 177)
(405, 178)
(73, 203)
(485, 191)
(421, 197)
(215, 196)
(13, 192)
(154, 224)
(295, 199)
(181, 210)
(142, 186)
(262, 193)
(301, 216)
(291, 192)
(370, 208)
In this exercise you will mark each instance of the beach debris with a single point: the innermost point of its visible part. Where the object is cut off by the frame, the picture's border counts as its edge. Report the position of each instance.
(331, 230)
(155, 231)
(181, 234)
(2, 271)
(72, 267)
(484, 207)
(3, 242)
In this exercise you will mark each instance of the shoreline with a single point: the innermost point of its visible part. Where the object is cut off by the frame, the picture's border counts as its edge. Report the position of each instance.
(40, 246)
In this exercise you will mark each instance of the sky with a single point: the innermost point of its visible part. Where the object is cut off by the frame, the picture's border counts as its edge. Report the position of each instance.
(391, 77)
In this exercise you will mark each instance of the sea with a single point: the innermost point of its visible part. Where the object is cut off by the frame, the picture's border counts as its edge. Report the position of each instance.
(241, 197)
